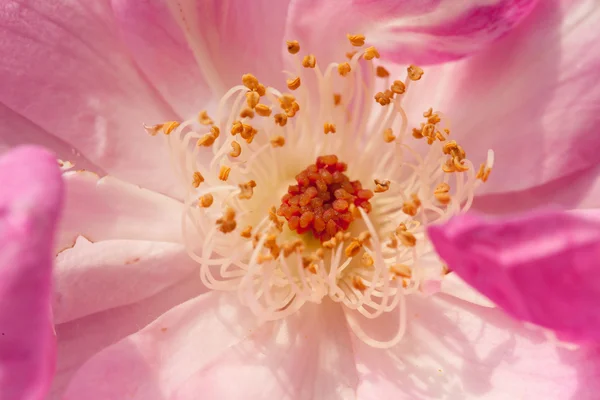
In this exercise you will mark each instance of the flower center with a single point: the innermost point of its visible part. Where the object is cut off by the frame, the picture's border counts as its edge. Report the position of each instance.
(321, 200)
(362, 246)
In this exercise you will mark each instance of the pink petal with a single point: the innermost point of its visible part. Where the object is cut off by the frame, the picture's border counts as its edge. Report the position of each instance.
(81, 339)
(232, 38)
(30, 202)
(541, 268)
(457, 350)
(518, 97)
(206, 344)
(65, 69)
(161, 50)
(578, 190)
(107, 208)
(405, 31)
(92, 277)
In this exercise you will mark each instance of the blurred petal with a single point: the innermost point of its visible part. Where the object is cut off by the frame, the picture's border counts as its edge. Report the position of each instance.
(107, 208)
(231, 38)
(64, 68)
(532, 97)
(540, 268)
(92, 277)
(204, 345)
(30, 202)
(456, 350)
(80, 339)
(163, 355)
(405, 31)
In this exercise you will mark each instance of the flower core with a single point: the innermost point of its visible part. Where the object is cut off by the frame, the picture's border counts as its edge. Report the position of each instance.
(360, 242)
(324, 200)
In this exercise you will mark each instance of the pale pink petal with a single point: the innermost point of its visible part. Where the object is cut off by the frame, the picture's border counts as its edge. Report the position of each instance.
(17, 130)
(30, 203)
(206, 344)
(405, 31)
(161, 51)
(80, 339)
(455, 286)
(64, 68)
(518, 97)
(541, 268)
(578, 190)
(231, 38)
(107, 208)
(92, 277)
(457, 350)
(151, 363)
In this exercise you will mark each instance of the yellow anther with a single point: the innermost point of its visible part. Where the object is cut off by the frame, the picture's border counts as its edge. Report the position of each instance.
(261, 89)
(206, 200)
(169, 127)
(277, 141)
(384, 98)
(237, 149)
(237, 128)
(263, 110)
(407, 239)
(337, 99)
(215, 131)
(252, 99)
(364, 238)
(153, 130)
(293, 110)
(227, 221)
(273, 218)
(206, 140)
(414, 73)
(358, 283)
(293, 46)
(388, 135)
(381, 185)
(247, 190)
(483, 173)
(428, 113)
(293, 83)
(280, 119)
(247, 113)
(351, 54)
(246, 232)
(309, 61)
(367, 260)
(398, 87)
(393, 241)
(382, 72)
(371, 53)
(441, 193)
(204, 119)
(356, 40)
(224, 172)
(250, 81)
(197, 179)
(401, 270)
(344, 69)
(411, 207)
(353, 248)
(328, 128)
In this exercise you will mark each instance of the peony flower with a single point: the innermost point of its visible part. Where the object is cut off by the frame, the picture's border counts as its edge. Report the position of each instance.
(161, 294)
(30, 201)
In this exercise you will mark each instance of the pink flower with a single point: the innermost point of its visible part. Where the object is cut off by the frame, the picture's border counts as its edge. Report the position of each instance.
(134, 320)
(30, 200)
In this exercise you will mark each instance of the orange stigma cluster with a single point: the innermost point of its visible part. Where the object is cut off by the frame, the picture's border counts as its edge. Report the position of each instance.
(324, 201)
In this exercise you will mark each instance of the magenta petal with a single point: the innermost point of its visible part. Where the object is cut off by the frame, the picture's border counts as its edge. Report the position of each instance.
(541, 268)
(406, 31)
(30, 201)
